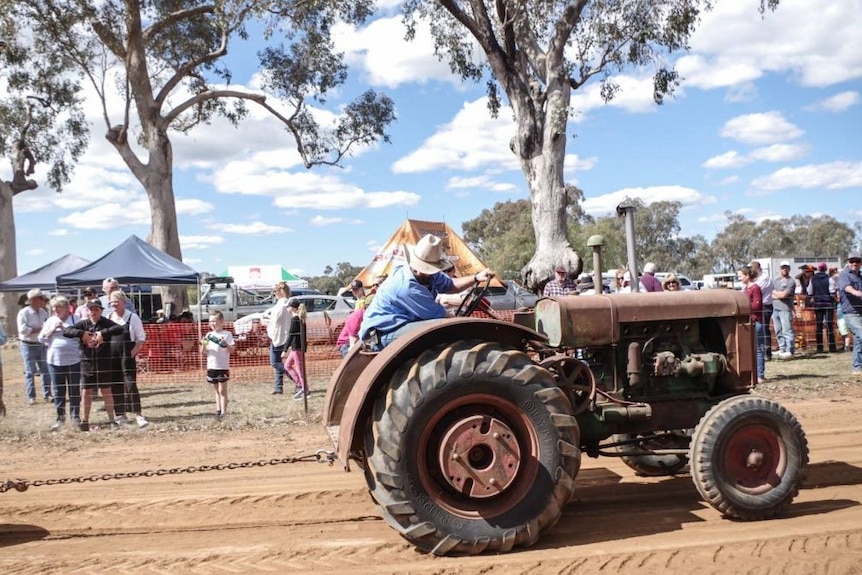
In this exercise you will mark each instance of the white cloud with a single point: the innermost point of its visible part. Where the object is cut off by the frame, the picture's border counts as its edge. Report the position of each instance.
(483, 182)
(34, 252)
(831, 176)
(347, 198)
(815, 42)
(107, 216)
(728, 180)
(697, 71)
(251, 228)
(387, 58)
(607, 203)
(199, 243)
(59, 233)
(321, 221)
(760, 129)
(193, 206)
(470, 141)
(836, 103)
(779, 153)
(731, 159)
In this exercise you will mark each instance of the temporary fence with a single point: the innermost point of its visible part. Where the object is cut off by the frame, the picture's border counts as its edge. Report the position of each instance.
(173, 352)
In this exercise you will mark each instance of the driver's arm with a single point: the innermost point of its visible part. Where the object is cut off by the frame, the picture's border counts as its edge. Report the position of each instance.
(460, 284)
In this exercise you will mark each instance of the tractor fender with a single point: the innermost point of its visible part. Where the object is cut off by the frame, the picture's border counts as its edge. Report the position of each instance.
(359, 379)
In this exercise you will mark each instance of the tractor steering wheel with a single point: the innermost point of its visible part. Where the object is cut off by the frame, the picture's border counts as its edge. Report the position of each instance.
(473, 298)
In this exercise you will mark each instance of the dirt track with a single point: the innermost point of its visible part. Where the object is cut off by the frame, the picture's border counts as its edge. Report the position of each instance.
(308, 517)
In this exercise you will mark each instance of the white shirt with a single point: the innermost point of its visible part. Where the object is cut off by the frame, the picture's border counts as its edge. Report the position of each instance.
(136, 326)
(30, 323)
(278, 326)
(218, 357)
(765, 283)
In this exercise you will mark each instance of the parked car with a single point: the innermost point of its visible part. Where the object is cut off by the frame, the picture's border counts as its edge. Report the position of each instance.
(510, 296)
(326, 315)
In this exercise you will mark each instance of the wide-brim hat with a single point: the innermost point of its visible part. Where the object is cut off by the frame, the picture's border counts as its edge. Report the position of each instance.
(428, 255)
(34, 293)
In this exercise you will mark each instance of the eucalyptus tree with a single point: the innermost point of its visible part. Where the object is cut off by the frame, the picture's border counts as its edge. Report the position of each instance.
(41, 126)
(538, 52)
(167, 63)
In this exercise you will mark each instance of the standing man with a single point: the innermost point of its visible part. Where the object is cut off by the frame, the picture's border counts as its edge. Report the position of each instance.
(81, 313)
(30, 321)
(821, 290)
(561, 285)
(783, 292)
(649, 282)
(277, 328)
(407, 297)
(763, 280)
(850, 298)
(109, 286)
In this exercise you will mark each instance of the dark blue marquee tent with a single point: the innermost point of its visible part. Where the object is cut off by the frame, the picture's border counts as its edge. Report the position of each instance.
(45, 277)
(133, 262)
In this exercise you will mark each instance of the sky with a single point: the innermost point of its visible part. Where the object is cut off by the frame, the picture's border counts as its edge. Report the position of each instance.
(766, 124)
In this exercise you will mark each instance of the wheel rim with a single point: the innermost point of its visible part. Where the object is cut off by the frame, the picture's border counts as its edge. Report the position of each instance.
(755, 458)
(478, 456)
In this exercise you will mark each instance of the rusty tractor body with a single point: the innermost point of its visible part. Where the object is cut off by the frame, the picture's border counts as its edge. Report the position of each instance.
(470, 431)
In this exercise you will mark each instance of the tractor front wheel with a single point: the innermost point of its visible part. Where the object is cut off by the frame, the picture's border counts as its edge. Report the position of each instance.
(747, 457)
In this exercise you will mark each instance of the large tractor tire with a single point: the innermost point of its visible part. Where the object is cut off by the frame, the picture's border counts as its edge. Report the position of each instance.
(650, 464)
(747, 457)
(472, 448)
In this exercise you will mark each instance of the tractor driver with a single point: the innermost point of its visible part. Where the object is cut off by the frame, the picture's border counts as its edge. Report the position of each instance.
(407, 297)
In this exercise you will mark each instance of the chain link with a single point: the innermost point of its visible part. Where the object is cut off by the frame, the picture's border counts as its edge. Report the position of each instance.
(320, 456)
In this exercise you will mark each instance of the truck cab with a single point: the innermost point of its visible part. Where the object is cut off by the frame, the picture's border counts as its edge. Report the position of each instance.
(222, 294)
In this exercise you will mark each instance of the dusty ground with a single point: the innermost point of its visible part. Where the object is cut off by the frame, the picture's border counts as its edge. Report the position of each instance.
(313, 518)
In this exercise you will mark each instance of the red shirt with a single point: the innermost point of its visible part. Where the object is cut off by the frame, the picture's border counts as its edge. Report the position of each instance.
(755, 297)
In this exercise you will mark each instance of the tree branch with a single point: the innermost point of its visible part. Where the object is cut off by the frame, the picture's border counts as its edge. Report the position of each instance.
(187, 68)
(150, 32)
(563, 30)
(213, 95)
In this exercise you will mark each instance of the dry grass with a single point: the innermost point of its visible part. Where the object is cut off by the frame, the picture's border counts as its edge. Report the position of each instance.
(172, 406)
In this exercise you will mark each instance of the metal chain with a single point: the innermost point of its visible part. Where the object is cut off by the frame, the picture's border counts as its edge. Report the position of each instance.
(320, 456)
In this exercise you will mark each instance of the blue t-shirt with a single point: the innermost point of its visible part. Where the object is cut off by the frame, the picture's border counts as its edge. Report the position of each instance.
(849, 302)
(401, 300)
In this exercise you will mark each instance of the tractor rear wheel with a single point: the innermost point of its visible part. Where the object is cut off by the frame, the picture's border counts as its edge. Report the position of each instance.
(747, 457)
(471, 449)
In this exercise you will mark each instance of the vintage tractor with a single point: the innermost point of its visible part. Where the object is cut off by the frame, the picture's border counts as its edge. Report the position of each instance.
(470, 431)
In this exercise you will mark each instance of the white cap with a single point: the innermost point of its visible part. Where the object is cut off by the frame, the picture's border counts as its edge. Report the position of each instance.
(785, 263)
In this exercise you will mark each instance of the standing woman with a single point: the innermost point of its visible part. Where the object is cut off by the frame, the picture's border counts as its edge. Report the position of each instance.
(98, 364)
(294, 350)
(755, 297)
(64, 361)
(277, 329)
(127, 398)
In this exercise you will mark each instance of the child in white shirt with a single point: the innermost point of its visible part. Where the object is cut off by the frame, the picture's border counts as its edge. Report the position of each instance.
(218, 344)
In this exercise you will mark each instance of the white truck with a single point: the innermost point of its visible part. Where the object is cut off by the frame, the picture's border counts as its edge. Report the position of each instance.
(222, 294)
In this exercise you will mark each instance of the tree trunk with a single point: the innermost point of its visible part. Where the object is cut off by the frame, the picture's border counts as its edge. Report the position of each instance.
(164, 232)
(8, 259)
(543, 163)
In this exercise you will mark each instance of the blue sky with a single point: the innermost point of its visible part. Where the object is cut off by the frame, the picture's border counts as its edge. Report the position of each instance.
(761, 126)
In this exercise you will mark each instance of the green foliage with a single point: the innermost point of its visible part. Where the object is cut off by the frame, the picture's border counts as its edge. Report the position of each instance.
(333, 281)
(41, 118)
(502, 237)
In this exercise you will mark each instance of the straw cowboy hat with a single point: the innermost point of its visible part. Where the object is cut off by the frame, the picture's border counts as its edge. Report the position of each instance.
(34, 293)
(428, 256)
